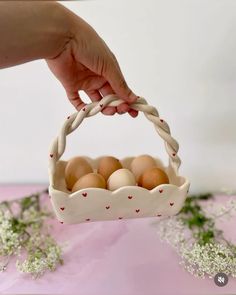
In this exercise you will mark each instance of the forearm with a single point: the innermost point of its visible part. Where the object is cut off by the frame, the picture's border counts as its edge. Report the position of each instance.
(31, 30)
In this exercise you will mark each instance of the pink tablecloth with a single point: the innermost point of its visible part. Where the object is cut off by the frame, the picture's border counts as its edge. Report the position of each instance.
(111, 258)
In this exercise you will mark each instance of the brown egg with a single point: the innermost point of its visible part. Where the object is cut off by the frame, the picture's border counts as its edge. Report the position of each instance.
(107, 165)
(89, 180)
(140, 164)
(152, 178)
(76, 168)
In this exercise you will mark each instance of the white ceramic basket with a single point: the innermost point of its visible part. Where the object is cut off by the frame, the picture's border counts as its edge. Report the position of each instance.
(95, 204)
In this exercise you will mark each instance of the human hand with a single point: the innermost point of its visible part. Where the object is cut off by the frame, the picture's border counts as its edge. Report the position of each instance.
(78, 57)
(86, 63)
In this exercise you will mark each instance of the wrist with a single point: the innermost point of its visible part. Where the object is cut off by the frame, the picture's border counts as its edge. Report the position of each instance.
(57, 30)
(31, 30)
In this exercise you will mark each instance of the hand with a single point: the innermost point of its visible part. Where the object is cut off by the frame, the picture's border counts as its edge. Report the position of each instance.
(86, 63)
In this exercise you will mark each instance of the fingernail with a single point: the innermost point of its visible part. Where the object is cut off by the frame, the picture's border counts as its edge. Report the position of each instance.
(121, 112)
(133, 113)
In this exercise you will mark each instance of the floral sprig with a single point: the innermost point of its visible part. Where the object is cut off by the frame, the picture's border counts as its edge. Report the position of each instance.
(24, 234)
(195, 237)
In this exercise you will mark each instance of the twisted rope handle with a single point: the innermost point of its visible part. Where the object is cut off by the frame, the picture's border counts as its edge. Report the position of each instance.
(58, 146)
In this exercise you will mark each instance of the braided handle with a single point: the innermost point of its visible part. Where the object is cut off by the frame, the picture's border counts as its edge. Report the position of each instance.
(58, 146)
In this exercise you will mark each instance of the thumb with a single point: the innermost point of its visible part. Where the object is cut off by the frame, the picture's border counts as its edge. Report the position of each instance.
(117, 82)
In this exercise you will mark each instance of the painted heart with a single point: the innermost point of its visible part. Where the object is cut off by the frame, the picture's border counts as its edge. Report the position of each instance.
(88, 219)
(62, 208)
(107, 207)
(51, 155)
(171, 204)
(130, 197)
(160, 191)
(120, 217)
(161, 120)
(84, 109)
(101, 105)
(84, 194)
(61, 222)
(158, 215)
(137, 210)
(174, 154)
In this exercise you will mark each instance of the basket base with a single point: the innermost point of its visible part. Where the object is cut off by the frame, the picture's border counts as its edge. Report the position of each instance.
(94, 204)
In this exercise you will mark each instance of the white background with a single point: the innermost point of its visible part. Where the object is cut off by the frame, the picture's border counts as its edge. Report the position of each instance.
(179, 55)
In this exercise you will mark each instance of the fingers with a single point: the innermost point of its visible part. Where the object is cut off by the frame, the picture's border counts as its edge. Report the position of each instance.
(106, 90)
(76, 101)
(94, 95)
(109, 111)
(115, 78)
(122, 108)
(133, 113)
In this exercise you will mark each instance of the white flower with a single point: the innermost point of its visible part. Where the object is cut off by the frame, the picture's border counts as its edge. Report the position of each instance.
(23, 234)
(213, 257)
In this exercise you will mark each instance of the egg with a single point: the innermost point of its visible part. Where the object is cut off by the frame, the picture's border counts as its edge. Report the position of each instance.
(119, 178)
(152, 178)
(107, 165)
(140, 164)
(89, 180)
(76, 168)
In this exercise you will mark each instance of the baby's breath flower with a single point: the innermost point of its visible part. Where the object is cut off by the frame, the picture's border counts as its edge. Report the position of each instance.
(24, 234)
(210, 259)
(193, 235)
(9, 239)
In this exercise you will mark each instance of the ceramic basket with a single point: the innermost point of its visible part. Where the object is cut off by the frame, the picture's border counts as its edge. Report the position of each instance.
(96, 204)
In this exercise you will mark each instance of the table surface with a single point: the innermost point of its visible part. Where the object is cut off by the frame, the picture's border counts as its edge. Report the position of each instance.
(124, 257)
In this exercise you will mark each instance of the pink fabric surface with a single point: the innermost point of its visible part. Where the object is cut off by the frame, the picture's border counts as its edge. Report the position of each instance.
(122, 257)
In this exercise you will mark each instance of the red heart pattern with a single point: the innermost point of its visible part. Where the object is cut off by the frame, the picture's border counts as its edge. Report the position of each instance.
(84, 109)
(108, 207)
(51, 155)
(101, 105)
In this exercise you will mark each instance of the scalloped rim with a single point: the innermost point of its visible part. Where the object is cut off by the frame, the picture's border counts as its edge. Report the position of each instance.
(93, 161)
(75, 211)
